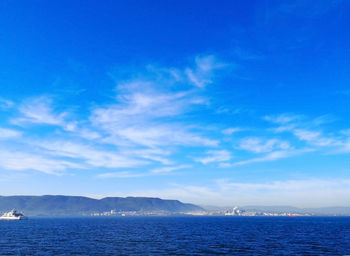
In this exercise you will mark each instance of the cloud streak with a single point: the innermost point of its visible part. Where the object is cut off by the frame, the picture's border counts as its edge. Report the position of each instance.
(215, 156)
(257, 145)
(9, 133)
(169, 169)
(145, 115)
(39, 111)
(22, 161)
(200, 76)
(91, 156)
(272, 156)
(141, 126)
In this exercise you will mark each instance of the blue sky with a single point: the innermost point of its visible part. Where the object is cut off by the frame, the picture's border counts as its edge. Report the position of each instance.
(230, 103)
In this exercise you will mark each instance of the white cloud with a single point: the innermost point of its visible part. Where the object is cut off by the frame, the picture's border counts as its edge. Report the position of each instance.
(9, 133)
(272, 156)
(21, 161)
(127, 174)
(170, 168)
(231, 130)
(91, 156)
(282, 119)
(163, 135)
(304, 131)
(215, 156)
(142, 124)
(157, 155)
(71, 127)
(315, 138)
(323, 120)
(145, 116)
(346, 146)
(149, 102)
(306, 135)
(88, 134)
(284, 128)
(202, 74)
(267, 158)
(121, 175)
(39, 111)
(257, 145)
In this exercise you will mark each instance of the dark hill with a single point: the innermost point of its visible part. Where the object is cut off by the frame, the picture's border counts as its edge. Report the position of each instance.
(77, 205)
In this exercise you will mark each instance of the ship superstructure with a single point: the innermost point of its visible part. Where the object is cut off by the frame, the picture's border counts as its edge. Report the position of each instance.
(12, 215)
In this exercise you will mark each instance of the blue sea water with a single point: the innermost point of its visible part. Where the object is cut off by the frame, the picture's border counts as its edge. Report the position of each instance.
(176, 236)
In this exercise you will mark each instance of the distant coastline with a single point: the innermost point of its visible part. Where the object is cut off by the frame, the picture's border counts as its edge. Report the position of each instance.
(58, 205)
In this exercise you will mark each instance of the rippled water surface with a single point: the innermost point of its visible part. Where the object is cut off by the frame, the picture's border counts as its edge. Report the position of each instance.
(176, 236)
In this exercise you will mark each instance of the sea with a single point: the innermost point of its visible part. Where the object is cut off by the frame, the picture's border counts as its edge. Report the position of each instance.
(176, 236)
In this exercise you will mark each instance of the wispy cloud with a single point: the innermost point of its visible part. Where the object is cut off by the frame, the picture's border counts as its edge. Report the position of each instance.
(272, 156)
(231, 130)
(9, 133)
(314, 138)
(91, 156)
(258, 145)
(121, 175)
(21, 161)
(215, 156)
(282, 119)
(146, 115)
(140, 127)
(201, 75)
(170, 169)
(324, 119)
(88, 134)
(154, 172)
(39, 111)
(160, 135)
(156, 155)
(309, 131)
(346, 146)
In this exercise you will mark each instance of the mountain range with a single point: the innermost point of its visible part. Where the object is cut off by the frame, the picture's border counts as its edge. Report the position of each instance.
(58, 205)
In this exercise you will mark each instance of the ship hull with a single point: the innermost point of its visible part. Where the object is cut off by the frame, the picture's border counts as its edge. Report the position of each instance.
(11, 218)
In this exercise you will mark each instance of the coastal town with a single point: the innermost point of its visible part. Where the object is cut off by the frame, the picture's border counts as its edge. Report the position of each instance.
(235, 211)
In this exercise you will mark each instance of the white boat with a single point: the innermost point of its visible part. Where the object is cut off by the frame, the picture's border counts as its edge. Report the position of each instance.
(12, 215)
